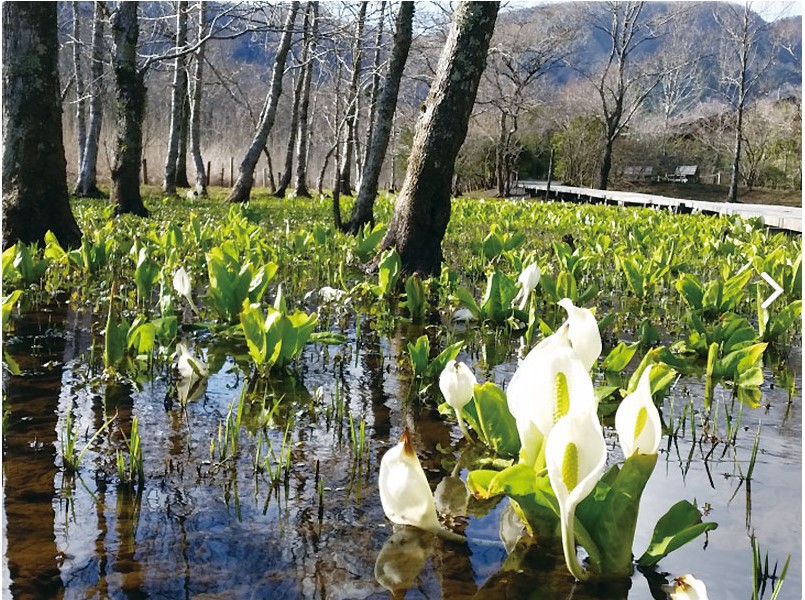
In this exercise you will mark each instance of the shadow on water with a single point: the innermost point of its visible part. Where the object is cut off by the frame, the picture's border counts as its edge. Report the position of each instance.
(292, 510)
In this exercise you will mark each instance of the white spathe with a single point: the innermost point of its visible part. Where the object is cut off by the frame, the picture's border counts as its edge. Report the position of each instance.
(550, 383)
(637, 420)
(188, 365)
(575, 456)
(688, 587)
(404, 491)
(457, 383)
(584, 334)
(528, 280)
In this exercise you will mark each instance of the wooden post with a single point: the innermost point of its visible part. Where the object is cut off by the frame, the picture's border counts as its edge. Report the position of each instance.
(209, 165)
(223, 170)
(265, 178)
(145, 172)
(231, 171)
(550, 175)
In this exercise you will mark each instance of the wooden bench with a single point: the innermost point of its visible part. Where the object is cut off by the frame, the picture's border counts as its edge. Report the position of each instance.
(684, 174)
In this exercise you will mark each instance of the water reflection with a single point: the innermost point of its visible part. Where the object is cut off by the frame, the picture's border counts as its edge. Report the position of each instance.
(200, 527)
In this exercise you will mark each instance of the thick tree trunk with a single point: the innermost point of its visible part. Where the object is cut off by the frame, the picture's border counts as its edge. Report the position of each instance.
(178, 93)
(80, 88)
(131, 95)
(184, 133)
(285, 178)
(606, 165)
(195, 105)
(422, 210)
(311, 31)
(345, 174)
(35, 195)
(87, 183)
(243, 186)
(362, 211)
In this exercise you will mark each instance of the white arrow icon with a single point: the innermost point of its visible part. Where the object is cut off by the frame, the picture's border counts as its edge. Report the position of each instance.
(775, 286)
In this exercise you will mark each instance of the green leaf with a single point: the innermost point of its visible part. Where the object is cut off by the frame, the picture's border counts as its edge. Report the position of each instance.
(490, 412)
(492, 245)
(619, 357)
(680, 525)
(633, 276)
(8, 305)
(419, 352)
(415, 300)
(609, 514)
(367, 242)
(689, 287)
(467, 301)
(531, 495)
(439, 363)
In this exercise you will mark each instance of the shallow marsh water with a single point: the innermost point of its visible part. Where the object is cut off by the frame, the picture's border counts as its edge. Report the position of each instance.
(197, 529)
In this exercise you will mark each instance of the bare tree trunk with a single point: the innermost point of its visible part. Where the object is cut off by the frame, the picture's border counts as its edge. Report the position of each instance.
(80, 88)
(302, 142)
(422, 210)
(500, 155)
(362, 211)
(243, 186)
(178, 93)
(131, 97)
(375, 93)
(345, 174)
(195, 105)
(285, 178)
(184, 133)
(87, 183)
(35, 197)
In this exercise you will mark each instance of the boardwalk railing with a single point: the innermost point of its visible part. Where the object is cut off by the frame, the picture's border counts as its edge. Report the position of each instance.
(787, 218)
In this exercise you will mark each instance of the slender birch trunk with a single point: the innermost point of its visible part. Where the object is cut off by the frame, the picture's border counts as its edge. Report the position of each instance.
(243, 186)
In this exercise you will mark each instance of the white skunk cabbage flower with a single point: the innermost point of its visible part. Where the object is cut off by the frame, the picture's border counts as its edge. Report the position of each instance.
(584, 335)
(329, 294)
(550, 383)
(528, 280)
(457, 383)
(182, 285)
(189, 366)
(575, 456)
(404, 490)
(192, 371)
(637, 420)
(688, 587)
(463, 314)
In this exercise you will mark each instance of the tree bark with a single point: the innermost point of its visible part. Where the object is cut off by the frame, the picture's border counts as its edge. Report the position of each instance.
(243, 186)
(375, 93)
(422, 210)
(131, 95)
(178, 93)
(195, 105)
(362, 211)
(35, 197)
(302, 142)
(87, 183)
(184, 133)
(285, 178)
(80, 88)
(345, 174)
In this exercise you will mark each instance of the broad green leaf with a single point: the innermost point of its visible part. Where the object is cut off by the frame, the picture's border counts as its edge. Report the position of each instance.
(419, 353)
(609, 513)
(532, 496)
(490, 411)
(415, 300)
(439, 363)
(467, 301)
(8, 305)
(492, 245)
(633, 276)
(689, 287)
(680, 525)
(619, 357)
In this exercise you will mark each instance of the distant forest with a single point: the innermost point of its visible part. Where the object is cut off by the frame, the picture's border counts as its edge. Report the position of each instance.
(659, 92)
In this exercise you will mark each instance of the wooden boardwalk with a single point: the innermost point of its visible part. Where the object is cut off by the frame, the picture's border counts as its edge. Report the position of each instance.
(786, 218)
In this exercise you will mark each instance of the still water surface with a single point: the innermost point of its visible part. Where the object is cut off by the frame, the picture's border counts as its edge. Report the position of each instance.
(199, 529)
